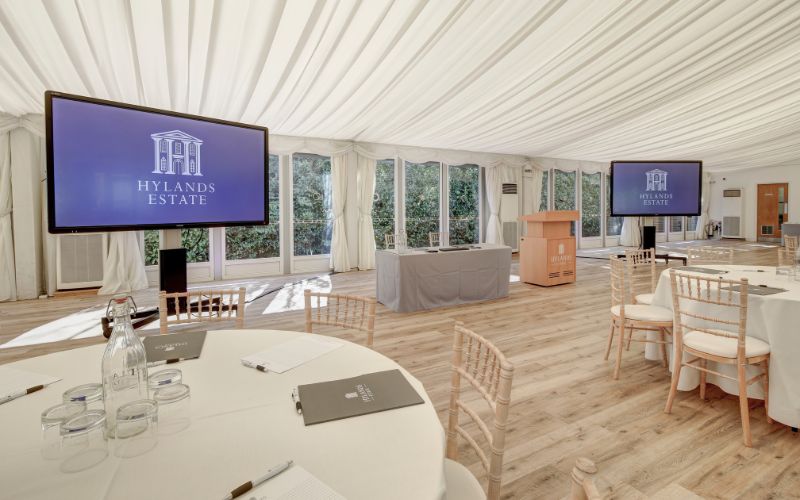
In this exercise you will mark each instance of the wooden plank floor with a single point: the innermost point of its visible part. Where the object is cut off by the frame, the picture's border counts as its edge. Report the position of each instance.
(564, 403)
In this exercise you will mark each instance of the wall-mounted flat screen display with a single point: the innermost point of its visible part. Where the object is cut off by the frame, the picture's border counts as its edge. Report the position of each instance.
(114, 166)
(652, 188)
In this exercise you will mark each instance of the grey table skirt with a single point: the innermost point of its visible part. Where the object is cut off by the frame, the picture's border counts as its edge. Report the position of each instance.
(420, 280)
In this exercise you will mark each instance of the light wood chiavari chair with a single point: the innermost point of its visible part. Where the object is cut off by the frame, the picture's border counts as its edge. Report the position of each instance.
(343, 311)
(435, 239)
(709, 255)
(487, 370)
(583, 485)
(643, 276)
(791, 243)
(195, 306)
(388, 240)
(700, 306)
(626, 316)
(786, 256)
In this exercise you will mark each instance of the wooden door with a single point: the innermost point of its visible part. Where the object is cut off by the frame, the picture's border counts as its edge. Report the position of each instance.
(773, 210)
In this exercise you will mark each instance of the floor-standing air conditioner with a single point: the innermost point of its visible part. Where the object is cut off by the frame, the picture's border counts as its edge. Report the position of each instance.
(509, 215)
(79, 260)
(733, 213)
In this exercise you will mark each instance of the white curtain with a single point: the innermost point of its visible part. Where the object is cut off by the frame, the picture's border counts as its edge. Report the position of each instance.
(340, 259)
(705, 202)
(494, 193)
(535, 193)
(8, 286)
(630, 235)
(123, 270)
(366, 193)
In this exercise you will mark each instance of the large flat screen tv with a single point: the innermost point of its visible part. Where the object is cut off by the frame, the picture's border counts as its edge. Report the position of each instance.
(654, 188)
(119, 167)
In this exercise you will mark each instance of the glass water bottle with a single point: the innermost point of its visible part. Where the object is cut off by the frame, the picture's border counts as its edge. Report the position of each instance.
(124, 366)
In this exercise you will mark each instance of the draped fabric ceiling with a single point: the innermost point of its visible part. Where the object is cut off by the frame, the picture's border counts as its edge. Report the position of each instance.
(576, 79)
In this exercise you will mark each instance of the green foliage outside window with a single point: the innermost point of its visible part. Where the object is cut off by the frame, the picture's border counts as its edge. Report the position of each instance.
(383, 202)
(590, 205)
(613, 224)
(151, 245)
(258, 242)
(313, 218)
(564, 190)
(195, 241)
(464, 198)
(544, 205)
(422, 201)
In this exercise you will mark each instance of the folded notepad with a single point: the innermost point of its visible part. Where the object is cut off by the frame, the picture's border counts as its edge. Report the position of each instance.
(283, 357)
(296, 484)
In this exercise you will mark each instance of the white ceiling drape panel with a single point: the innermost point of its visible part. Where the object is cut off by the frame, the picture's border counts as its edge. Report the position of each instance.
(585, 80)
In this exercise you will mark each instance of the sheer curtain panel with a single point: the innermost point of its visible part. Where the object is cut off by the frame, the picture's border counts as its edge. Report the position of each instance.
(340, 260)
(123, 270)
(8, 287)
(705, 202)
(366, 193)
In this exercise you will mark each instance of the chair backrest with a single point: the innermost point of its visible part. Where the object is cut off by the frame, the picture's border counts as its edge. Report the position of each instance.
(711, 305)
(786, 256)
(791, 242)
(641, 266)
(620, 290)
(343, 311)
(709, 255)
(388, 240)
(435, 239)
(484, 367)
(196, 306)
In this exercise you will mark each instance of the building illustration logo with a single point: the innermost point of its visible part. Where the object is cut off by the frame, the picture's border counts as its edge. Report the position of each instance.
(176, 153)
(656, 180)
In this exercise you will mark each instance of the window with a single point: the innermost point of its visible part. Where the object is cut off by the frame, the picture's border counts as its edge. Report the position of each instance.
(590, 205)
(195, 240)
(192, 148)
(383, 201)
(613, 224)
(422, 201)
(543, 205)
(191, 166)
(660, 224)
(164, 146)
(178, 148)
(564, 190)
(464, 197)
(151, 244)
(311, 199)
(163, 164)
(258, 242)
(676, 224)
(691, 224)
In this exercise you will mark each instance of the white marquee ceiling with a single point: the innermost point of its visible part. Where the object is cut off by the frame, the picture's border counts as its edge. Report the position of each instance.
(716, 80)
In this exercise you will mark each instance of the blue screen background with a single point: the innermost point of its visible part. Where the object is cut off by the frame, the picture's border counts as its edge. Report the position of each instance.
(631, 197)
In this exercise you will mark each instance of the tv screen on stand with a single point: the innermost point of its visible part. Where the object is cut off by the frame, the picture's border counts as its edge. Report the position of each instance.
(115, 167)
(655, 188)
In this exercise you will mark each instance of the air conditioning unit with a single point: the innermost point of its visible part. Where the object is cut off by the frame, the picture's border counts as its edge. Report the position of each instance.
(509, 215)
(733, 213)
(79, 260)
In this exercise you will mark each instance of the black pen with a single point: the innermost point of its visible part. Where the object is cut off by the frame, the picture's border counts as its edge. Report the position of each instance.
(296, 399)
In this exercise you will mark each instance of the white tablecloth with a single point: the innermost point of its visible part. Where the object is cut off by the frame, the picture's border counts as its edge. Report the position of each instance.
(243, 422)
(421, 280)
(772, 318)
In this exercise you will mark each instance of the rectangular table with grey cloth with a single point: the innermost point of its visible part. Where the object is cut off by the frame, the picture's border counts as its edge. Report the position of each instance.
(420, 280)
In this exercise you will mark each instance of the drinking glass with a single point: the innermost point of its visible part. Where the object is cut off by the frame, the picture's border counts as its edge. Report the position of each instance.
(164, 378)
(136, 430)
(174, 407)
(52, 418)
(90, 394)
(83, 441)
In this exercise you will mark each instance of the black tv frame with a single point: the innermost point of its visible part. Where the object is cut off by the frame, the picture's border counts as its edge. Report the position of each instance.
(52, 225)
(653, 214)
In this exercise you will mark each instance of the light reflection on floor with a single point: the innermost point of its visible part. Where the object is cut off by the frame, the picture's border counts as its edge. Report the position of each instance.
(290, 297)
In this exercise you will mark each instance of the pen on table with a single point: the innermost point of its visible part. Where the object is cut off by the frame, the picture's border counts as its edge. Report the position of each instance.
(249, 485)
(19, 394)
(258, 367)
(296, 399)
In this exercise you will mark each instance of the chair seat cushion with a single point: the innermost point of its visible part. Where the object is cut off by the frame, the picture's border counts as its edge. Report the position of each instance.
(640, 312)
(724, 346)
(644, 298)
(461, 484)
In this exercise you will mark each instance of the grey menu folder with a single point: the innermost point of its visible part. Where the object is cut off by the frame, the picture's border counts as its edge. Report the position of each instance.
(351, 397)
(186, 345)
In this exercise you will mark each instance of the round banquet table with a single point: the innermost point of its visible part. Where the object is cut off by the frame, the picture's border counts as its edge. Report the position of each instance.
(772, 318)
(243, 422)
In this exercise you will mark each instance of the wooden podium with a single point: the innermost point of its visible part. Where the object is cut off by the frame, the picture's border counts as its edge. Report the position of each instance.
(547, 253)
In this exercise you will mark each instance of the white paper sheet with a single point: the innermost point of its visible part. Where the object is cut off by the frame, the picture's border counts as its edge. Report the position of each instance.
(13, 380)
(296, 484)
(291, 354)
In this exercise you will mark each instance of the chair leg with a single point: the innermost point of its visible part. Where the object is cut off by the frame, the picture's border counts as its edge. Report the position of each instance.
(676, 375)
(663, 337)
(630, 338)
(703, 375)
(765, 384)
(610, 339)
(619, 350)
(743, 407)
